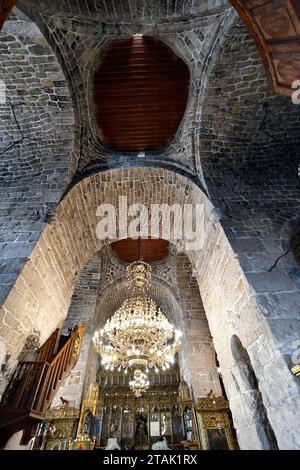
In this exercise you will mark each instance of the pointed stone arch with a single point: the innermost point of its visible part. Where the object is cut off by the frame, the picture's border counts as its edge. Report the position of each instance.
(41, 295)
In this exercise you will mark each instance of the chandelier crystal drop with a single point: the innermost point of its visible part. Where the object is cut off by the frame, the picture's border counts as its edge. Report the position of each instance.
(140, 383)
(138, 337)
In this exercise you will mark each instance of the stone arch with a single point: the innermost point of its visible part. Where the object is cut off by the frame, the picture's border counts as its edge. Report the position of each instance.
(42, 292)
(111, 298)
(248, 386)
(114, 294)
(37, 129)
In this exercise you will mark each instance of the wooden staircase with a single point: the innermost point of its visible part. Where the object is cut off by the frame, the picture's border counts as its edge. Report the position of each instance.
(35, 383)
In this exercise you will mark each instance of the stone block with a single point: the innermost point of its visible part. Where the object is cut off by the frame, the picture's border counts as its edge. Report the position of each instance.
(274, 281)
(246, 245)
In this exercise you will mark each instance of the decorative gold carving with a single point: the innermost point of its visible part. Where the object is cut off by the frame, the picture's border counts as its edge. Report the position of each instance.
(190, 445)
(78, 342)
(93, 392)
(213, 420)
(212, 403)
(60, 423)
(89, 406)
(62, 411)
(212, 414)
(184, 391)
(296, 370)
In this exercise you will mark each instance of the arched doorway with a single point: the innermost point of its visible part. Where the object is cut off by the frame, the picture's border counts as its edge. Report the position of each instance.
(47, 281)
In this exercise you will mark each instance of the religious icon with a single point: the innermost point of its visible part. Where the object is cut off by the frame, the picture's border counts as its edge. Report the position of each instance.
(141, 431)
(87, 422)
(217, 439)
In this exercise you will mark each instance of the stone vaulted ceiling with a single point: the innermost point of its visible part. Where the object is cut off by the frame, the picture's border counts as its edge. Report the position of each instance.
(109, 10)
(226, 120)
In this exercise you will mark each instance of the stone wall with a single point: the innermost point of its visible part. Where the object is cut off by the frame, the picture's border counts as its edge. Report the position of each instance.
(36, 141)
(82, 308)
(113, 268)
(198, 354)
(154, 11)
(249, 148)
(295, 246)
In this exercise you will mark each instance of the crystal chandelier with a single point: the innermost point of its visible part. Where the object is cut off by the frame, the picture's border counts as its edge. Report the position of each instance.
(138, 337)
(140, 383)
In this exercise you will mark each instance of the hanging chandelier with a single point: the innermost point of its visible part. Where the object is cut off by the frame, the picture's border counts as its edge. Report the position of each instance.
(138, 337)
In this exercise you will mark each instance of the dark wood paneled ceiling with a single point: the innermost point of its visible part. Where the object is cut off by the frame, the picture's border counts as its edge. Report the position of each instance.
(140, 92)
(151, 249)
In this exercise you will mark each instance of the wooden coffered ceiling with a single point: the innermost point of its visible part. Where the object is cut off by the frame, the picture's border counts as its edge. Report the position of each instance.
(151, 249)
(275, 26)
(140, 92)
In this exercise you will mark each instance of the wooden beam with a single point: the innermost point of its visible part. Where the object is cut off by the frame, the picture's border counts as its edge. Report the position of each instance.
(5, 8)
(275, 27)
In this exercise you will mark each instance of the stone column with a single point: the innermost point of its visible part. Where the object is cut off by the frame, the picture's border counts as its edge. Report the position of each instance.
(82, 308)
(198, 362)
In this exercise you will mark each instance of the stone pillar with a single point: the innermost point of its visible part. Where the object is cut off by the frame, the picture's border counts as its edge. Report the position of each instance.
(198, 355)
(82, 308)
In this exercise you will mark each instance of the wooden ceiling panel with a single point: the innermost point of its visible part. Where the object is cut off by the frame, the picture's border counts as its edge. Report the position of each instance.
(5, 9)
(275, 26)
(140, 92)
(151, 249)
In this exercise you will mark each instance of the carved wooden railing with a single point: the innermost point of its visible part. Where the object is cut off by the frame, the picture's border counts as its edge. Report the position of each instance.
(47, 351)
(35, 383)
